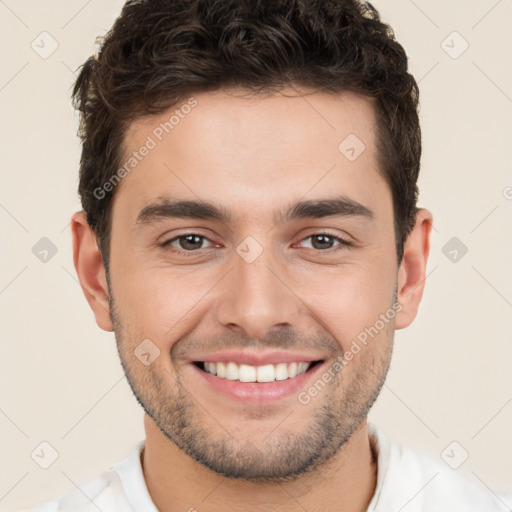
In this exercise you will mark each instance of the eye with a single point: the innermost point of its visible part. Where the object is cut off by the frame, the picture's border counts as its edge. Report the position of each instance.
(324, 241)
(188, 242)
(192, 242)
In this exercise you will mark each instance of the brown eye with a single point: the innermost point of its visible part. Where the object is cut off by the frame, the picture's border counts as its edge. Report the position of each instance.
(322, 241)
(325, 241)
(189, 242)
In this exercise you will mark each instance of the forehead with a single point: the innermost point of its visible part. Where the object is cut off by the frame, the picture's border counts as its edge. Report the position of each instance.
(253, 151)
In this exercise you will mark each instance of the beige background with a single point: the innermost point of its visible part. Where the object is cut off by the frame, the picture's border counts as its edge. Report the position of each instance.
(450, 380)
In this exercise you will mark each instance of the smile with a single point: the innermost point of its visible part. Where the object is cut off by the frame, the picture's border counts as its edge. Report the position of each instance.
(248, 373)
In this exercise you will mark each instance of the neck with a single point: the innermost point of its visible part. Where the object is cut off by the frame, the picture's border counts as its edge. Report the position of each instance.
(176, 482)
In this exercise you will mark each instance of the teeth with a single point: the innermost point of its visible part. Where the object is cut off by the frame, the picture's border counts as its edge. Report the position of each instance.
(221, 369)
(247, 373)
(281, 371)
(302, 367)
(232, 371)
(265, 373)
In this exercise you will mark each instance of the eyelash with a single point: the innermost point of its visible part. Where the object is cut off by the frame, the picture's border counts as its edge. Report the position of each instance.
(343, 244)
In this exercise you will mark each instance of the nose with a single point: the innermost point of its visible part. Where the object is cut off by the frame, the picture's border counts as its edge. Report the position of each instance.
(256, 298)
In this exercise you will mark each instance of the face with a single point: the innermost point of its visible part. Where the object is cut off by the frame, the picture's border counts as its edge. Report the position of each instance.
(291, 260)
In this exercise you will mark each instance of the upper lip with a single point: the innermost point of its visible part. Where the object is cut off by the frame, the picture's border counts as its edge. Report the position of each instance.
(257, 358)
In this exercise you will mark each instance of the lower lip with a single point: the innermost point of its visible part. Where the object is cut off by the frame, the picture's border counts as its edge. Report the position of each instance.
(258, 392)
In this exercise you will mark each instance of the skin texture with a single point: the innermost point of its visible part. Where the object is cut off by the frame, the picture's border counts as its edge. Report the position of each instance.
(255, 157)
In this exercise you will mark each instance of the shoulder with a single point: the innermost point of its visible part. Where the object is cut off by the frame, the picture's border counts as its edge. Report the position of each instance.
(417, 482)
(444, 488)
(121, 488)
(101, 492)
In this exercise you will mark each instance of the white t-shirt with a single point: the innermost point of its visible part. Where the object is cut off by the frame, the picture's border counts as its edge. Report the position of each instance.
(407, 481)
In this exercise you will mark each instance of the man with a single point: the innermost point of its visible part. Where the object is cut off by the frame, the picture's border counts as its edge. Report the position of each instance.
(250, 233)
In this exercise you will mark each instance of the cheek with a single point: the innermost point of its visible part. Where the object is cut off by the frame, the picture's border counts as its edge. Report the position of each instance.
(159, 303)
(350, 299)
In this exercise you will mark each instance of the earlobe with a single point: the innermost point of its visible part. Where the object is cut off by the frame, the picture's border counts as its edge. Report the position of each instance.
(90, 269)
(412, 271)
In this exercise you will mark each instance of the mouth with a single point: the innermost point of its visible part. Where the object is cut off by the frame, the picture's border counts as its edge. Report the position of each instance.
(250, 384)
(266, 373)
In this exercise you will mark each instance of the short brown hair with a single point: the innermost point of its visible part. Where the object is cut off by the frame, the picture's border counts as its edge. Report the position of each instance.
(159, 52)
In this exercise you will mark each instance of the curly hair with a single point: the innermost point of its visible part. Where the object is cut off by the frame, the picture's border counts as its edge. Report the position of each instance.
(159, 52)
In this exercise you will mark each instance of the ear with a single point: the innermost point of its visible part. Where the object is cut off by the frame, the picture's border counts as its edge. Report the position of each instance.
(91, 272)
(412, 271)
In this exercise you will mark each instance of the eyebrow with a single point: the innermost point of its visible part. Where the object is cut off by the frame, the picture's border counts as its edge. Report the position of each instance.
(166, 208)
